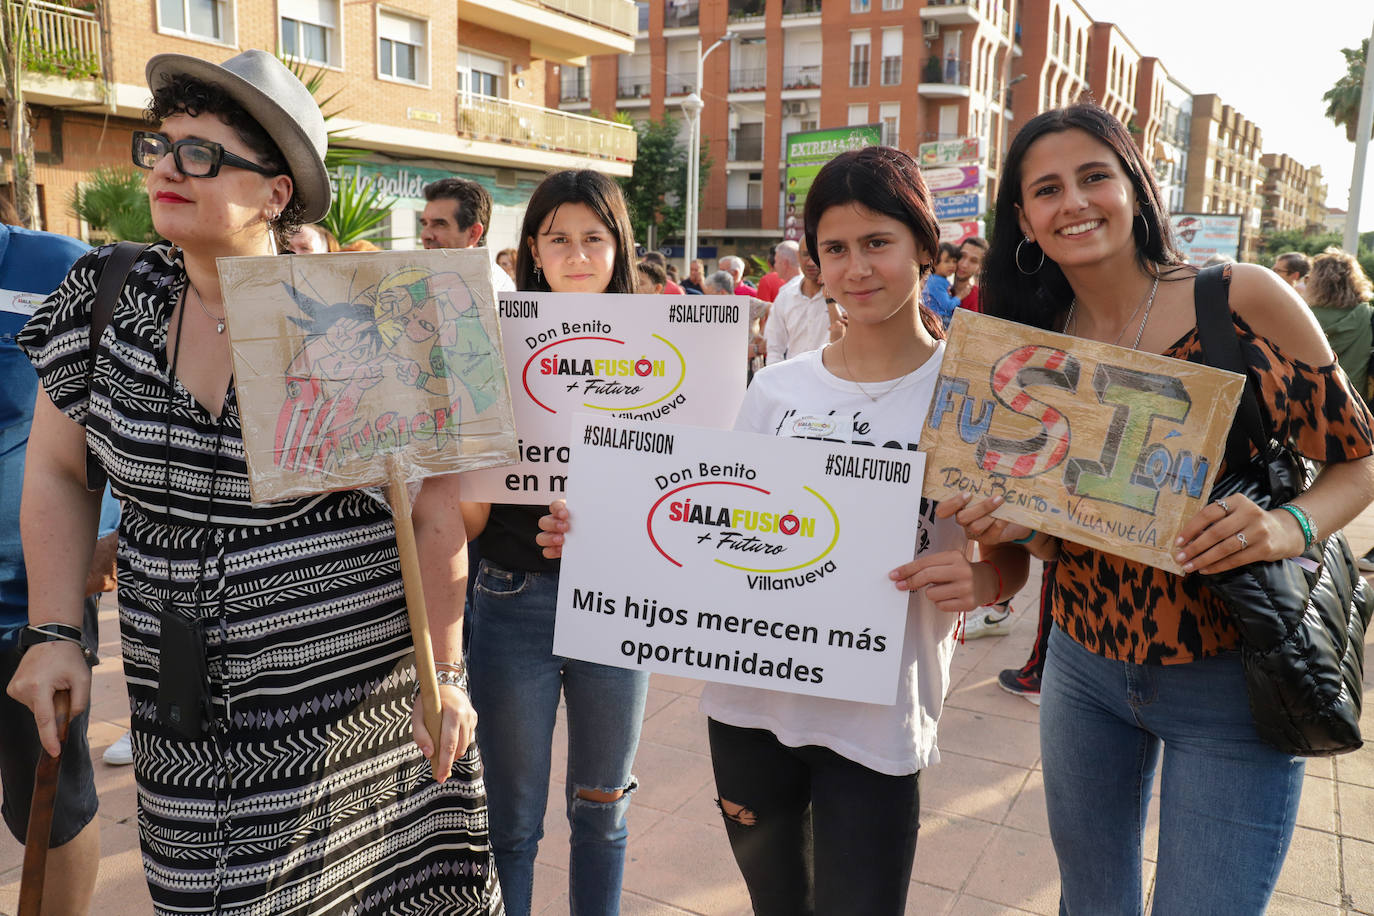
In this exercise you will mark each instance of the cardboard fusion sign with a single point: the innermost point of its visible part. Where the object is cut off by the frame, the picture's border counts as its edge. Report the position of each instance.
(1100, 445)
(344, 363)
(678, 359)
(738, 558)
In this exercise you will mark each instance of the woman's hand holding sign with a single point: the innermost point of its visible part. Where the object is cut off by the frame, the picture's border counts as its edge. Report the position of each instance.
(552, 527)
(1234, 531)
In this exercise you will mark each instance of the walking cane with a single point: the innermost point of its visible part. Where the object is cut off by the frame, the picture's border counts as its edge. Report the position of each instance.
(40, 814)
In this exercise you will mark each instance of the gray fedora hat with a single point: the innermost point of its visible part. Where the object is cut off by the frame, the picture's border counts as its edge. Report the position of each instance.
(279, 102)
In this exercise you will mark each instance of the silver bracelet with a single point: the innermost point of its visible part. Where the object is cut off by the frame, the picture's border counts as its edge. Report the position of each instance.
(450, 675)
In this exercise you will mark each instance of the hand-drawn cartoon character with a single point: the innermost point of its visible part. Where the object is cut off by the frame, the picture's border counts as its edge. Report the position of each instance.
(433, 330)
(341, 360)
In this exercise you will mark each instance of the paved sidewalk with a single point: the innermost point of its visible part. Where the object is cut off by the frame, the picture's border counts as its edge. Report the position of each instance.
(984, 846)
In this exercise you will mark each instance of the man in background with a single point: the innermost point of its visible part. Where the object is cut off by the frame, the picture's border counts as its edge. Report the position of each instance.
(456, 215)
(799, 321)
(1293, 267)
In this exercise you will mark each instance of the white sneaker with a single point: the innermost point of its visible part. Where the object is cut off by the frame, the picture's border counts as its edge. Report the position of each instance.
(1366, 562)
(121, 753)
(987, 621)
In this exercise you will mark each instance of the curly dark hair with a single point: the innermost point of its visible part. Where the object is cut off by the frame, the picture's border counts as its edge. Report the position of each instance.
(181, 94)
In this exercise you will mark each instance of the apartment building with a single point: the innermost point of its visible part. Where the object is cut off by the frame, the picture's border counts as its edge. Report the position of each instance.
(1316, 199)
(922, 69)
(1224, 167)
(427, 90)
(1056, 36)
(1286, 193)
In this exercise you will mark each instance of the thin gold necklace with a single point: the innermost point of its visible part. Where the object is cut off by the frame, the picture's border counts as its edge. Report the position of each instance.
(217, 319)
(855, 379)
(1148, 303)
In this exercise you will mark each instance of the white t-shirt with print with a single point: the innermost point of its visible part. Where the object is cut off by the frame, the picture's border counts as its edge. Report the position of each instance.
(898, 739)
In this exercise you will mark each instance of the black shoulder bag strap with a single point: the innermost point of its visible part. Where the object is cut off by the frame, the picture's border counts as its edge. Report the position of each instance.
(1221, 349)
(112, 278)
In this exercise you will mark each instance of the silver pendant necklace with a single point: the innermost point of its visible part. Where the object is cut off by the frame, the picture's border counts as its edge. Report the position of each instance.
(855, 379)
(1148, 303)
(217, 319)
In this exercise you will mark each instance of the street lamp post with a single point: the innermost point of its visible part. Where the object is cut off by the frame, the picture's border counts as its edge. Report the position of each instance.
(691, 107)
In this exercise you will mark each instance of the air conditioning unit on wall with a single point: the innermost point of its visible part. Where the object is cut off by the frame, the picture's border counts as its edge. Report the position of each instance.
(796, 109)
(930, 29)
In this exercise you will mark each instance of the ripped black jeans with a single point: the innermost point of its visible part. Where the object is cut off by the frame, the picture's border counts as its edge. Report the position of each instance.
(814, 832)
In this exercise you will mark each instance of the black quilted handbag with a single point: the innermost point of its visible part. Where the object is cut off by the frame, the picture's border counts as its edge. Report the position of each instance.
(1302, 624)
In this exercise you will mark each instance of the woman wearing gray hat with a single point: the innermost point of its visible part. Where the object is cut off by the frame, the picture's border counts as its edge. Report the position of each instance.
(266, 647)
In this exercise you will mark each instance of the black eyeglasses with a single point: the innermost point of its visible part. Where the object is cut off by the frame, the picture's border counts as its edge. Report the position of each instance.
(194, 157)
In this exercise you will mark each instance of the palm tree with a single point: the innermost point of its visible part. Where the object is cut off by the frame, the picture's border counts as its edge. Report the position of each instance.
(114, 202)
(1343, 99)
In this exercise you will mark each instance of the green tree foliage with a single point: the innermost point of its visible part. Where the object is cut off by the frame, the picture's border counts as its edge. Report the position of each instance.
(1343, 99)
(656, 191)
(113, 201)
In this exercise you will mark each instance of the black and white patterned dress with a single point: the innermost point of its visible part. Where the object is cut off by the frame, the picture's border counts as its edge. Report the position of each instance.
(309, 795)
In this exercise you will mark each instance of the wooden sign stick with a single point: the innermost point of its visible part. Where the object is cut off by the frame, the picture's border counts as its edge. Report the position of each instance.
(399, 498)
(40, 815)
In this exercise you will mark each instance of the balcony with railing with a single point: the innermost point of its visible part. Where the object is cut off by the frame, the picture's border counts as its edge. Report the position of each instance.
(682, 82)
(517, 124)
(680, 14)
(952, 12)
(632, 86)
(743, 217)
(565, 30)
(801, 76)
(792, 8)
(748, 79)
(946, 78)
(573, 90)
(745, 10)
(747, 148)
(60, 41)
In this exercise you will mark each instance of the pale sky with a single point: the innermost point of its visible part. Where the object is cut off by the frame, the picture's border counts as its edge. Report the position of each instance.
(1269, 60)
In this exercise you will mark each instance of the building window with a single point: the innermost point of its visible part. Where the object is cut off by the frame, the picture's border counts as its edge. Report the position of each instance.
(573, 83)
(858, 58)
(889, 113)
(892, 4)
(859, 6)
(310, 30)
(401, 48)
(892, 57)
(858, 114)
(209, 20)
(481, 75)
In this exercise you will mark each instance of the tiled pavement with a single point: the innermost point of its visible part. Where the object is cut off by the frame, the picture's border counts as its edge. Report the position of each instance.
(983, 848)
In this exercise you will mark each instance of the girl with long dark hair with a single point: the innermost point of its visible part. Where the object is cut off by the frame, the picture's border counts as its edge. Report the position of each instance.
(821, 797)
(575, 238)
(1142, 675)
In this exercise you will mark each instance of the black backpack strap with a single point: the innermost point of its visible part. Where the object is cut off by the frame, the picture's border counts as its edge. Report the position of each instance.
(112, 278)
(1221, 349)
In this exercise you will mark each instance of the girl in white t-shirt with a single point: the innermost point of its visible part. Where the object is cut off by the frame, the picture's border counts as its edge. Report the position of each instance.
(820, 796)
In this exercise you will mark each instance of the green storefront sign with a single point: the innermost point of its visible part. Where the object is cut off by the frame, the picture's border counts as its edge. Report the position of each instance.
(407, 182)
(807, 151)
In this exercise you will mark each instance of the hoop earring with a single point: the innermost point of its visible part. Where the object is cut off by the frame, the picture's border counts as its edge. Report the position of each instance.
(1146, 223)
(1017, 258)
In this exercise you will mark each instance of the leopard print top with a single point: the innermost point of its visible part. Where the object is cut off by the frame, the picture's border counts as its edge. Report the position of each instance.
(1125, 610)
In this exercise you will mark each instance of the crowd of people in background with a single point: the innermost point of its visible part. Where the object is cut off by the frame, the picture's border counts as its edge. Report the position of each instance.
(270, 785)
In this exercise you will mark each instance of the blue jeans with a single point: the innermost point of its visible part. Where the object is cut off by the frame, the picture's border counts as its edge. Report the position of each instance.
(516, 680)
(1228, 800)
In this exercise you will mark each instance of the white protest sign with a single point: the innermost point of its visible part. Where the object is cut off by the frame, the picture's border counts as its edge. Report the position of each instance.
(675, 358)
(738, 558)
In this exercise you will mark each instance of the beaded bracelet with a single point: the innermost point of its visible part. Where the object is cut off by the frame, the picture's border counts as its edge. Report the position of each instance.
(1309, 529)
